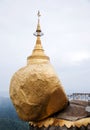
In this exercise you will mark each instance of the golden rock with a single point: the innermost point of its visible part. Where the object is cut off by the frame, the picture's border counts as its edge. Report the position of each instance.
(35, 89)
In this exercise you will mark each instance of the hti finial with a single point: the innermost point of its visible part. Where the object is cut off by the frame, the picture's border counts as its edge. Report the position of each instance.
(38, 14)
(38, 30)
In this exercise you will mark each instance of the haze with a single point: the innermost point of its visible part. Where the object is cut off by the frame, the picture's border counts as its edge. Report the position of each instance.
(66, 40)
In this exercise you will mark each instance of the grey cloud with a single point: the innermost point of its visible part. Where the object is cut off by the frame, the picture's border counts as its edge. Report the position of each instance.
(66, 25)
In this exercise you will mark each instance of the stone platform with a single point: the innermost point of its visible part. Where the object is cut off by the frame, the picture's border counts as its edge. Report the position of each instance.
(74, 117)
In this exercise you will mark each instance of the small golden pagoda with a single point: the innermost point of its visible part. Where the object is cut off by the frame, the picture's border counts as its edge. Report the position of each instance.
(35, 89)
(38, 54)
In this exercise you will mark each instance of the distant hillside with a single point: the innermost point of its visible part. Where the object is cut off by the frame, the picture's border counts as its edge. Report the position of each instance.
(6, 124)
(7, 110)
(9, 119)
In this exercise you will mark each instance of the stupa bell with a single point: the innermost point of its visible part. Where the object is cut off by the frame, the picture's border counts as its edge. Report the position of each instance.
(35, 89)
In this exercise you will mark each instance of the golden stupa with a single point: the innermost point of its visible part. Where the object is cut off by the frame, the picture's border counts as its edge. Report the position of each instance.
(35, 89)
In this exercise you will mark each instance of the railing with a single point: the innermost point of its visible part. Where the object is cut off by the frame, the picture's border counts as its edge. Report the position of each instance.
(80, 96)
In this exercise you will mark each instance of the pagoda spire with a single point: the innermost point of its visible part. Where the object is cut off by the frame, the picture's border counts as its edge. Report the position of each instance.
(38, 54)
(38, 30)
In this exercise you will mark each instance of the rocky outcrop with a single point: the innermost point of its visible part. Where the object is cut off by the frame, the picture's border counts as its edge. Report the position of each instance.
(37, 92)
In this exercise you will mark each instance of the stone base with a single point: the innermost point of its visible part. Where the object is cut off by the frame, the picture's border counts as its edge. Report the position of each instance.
(74, 117)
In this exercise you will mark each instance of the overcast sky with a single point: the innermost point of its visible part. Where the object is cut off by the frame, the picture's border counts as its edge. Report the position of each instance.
(66, 40)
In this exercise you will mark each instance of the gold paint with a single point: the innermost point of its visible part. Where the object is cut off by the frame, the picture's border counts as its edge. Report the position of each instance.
(38, 55)
(59, 122)
(35, 89)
